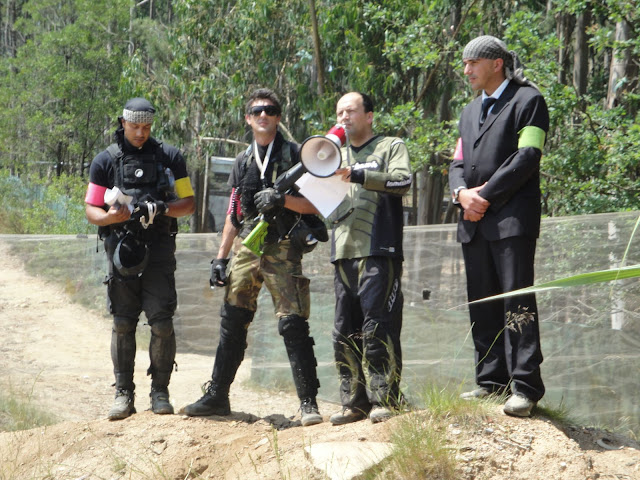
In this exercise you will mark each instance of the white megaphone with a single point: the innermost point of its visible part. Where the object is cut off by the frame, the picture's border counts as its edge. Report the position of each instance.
(319, 155)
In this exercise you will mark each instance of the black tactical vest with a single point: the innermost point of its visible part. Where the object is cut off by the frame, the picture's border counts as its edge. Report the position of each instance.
(251, 183)
(144, 176)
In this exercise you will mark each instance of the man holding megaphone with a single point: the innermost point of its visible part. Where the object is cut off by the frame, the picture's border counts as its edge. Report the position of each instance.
(367, 254)
(288, 234)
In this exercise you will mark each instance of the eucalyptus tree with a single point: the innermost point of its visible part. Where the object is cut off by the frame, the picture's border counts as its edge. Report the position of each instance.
(61, 87)
(11, 40)
(218, 51)
(591, 164)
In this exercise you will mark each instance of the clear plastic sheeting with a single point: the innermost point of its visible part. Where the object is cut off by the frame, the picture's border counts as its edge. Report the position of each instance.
(590, 334)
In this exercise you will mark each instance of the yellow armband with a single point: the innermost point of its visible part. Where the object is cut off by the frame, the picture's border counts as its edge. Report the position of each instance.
(183, 187)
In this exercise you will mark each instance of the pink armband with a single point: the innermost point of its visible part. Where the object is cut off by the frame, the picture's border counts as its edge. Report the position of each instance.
(457, 154)
(95, 195)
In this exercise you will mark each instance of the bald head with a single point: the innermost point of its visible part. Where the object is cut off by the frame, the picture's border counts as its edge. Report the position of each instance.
(355, 111)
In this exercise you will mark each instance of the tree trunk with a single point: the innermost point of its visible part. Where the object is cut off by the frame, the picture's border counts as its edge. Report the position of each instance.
(8, 33)
(432, 184)
(316, 48)
(131, 49)
(202, 190)
(195, 218)
(422, 178)
(581, 53)
(564, 28)
(619, 64)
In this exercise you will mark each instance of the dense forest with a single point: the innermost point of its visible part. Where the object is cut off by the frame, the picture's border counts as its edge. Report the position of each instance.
(68, 66)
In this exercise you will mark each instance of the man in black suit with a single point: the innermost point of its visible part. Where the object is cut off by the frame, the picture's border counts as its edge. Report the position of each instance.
(495, 178)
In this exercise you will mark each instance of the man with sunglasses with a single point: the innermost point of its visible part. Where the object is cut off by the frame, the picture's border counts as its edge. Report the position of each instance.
(367, 254)
(495, 179)
(279, 267)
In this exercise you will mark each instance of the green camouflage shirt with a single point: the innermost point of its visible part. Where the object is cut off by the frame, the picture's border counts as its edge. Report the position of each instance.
(374, 228)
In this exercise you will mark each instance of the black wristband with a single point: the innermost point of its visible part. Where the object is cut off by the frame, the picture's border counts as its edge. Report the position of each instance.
(357, 176)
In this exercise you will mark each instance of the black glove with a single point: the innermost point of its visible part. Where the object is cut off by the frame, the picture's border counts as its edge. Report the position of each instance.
(148, 210)
(218, 277)
(268, 199)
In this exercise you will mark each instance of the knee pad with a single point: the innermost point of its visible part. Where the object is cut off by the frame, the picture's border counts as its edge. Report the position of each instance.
(162, 328)
(376, 350)
(124, 325)
(234, 323)
(294, 329)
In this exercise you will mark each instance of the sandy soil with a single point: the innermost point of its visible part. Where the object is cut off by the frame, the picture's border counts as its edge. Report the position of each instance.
(57, 353)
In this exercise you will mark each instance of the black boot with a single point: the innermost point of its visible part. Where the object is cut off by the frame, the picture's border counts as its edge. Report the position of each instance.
(123, 405)
(160, 404)
(215, 401)
(309, 412)
(295, 332)
(162, 354)
(234, 325)
(123, 354)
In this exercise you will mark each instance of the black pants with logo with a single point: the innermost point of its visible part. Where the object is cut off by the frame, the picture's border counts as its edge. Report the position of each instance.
(366, 337)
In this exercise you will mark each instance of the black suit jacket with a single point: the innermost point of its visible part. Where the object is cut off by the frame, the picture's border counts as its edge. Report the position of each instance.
(490, 154)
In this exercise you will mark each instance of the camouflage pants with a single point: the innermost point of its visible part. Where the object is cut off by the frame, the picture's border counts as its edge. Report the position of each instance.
(279, 268)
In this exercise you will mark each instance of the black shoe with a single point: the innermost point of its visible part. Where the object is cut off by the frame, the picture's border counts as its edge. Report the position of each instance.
(309, 412)
(123, 405)
(160, 401)
(214, 402)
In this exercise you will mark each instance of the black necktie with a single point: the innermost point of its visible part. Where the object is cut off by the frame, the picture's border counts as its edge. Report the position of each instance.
(486, 105)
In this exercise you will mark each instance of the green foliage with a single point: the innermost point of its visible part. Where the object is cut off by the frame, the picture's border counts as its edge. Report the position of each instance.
(39, 205)
(594, 167)
(58, 90)
(67, 67)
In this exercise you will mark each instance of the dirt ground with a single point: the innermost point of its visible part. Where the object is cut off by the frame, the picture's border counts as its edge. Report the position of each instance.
(58, 354)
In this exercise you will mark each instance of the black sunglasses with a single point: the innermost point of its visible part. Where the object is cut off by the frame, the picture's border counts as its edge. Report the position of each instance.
(270, 110)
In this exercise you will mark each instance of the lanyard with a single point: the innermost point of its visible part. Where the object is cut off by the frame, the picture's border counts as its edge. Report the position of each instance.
(262, 166)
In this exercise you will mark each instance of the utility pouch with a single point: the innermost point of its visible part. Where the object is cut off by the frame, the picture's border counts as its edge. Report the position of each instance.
(103, 232)
(317, 227)
(307, 232)
(110, 242)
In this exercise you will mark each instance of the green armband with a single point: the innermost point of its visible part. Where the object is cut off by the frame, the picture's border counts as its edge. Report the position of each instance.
(531, 137)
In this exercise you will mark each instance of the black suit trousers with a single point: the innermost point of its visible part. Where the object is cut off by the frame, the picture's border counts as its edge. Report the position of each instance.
(505, 332)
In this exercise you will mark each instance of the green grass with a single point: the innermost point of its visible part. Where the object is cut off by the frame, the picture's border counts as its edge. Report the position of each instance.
(17, 412)
(420, 445)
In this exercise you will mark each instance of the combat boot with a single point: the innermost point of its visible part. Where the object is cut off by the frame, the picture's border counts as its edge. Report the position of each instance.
(347, 415)
(123, 405)
(380, 413)
(215, 401)
(310, 413)
(160, 401)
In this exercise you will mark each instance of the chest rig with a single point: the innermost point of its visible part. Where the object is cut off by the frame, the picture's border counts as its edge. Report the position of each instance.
(251, 183)
(144, 176)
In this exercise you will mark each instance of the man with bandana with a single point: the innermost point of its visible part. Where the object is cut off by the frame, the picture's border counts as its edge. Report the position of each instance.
(495, 179)
(279, 267)
(139, 238)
